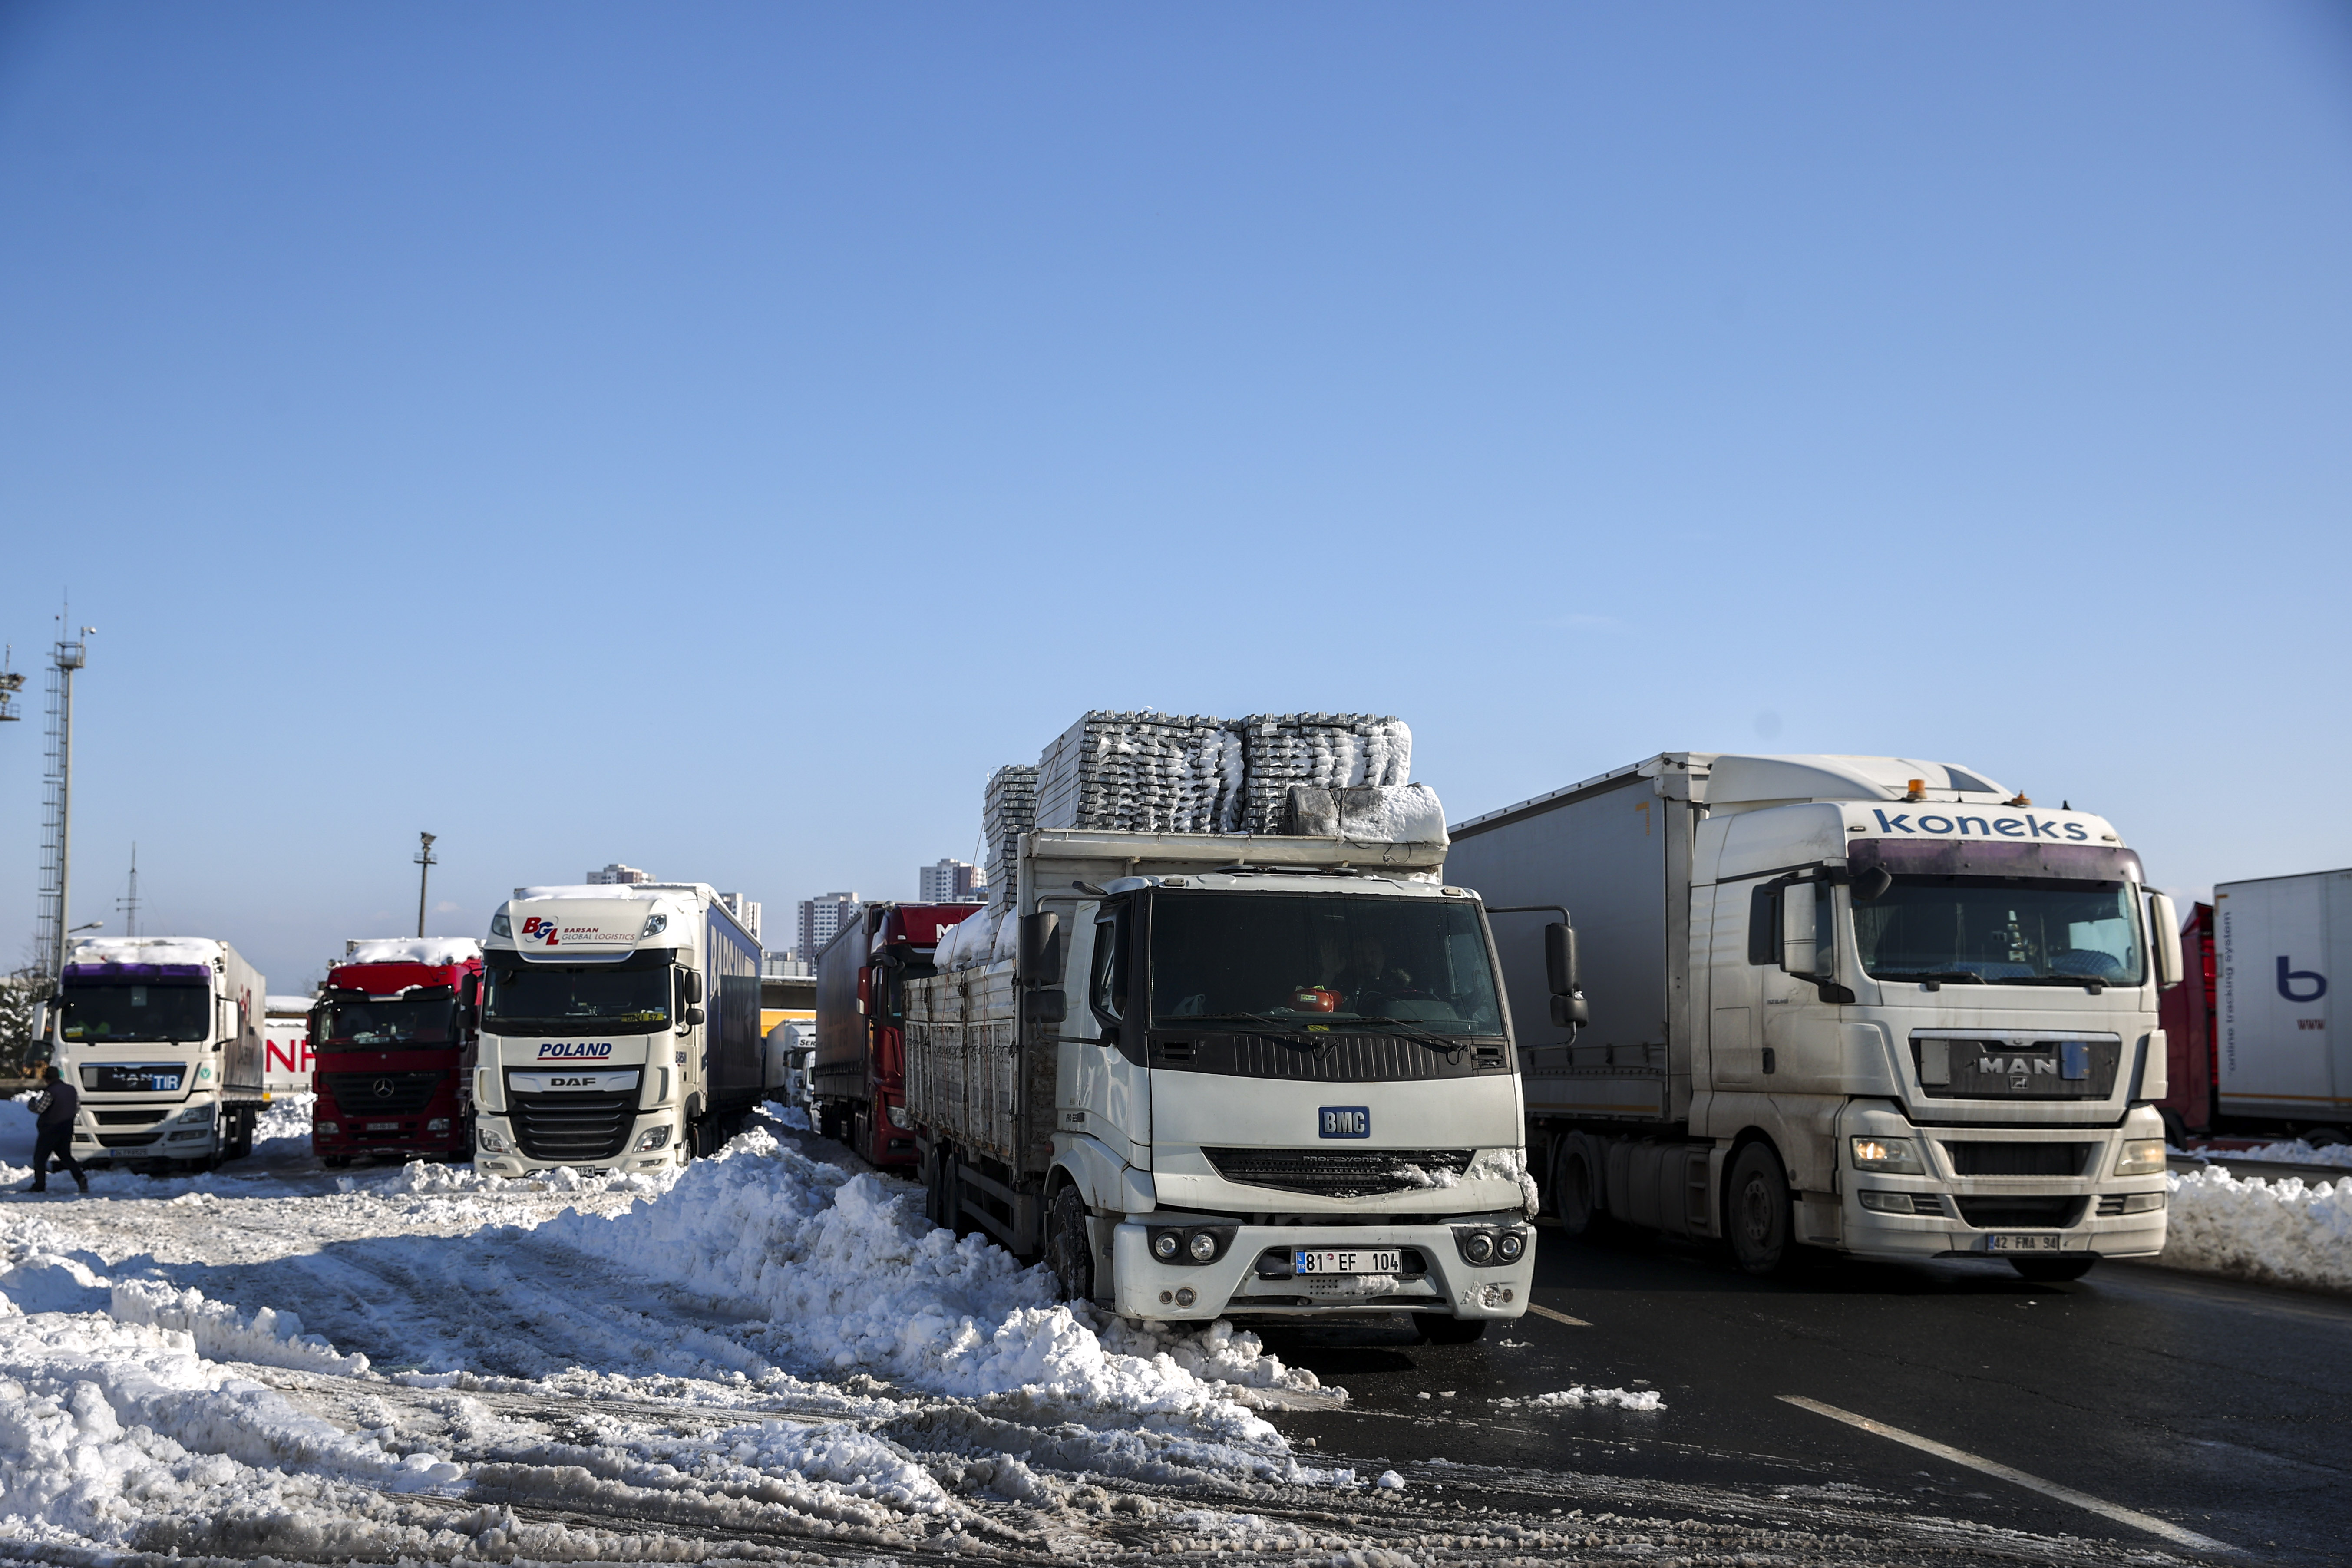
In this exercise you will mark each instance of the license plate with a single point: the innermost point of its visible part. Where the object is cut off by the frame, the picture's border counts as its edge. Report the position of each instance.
(1334, 1262)
(2021, 1243)
(384, 1126)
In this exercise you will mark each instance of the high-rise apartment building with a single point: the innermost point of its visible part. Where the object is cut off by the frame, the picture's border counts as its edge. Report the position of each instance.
(822, 917)
(950, 882)
(618, 876)
(746, 911)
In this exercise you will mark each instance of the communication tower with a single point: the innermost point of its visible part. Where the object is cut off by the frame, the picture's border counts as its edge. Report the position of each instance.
(67, 655)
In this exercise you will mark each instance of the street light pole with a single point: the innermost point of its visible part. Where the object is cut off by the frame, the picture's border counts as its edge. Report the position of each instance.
(425, 864)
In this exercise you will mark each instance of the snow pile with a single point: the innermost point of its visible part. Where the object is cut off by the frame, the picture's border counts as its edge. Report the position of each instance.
(972, 940)
(437, 950)
(145, 950)
(1375, 814)
(1579, 1396)
(432, 1178)
(2294, 1152)
(847, 1268)
(286, 1118)
(264, 1336)
(2282, 1233)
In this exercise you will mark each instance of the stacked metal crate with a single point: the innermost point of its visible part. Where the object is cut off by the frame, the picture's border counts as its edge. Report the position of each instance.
(1329, 750)
(1008, 810)
(1145, 772)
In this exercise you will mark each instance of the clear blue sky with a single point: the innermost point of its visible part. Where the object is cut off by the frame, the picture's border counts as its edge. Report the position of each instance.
(711, 436)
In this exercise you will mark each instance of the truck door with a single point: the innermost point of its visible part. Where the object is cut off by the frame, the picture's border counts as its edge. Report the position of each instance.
(1734, 988)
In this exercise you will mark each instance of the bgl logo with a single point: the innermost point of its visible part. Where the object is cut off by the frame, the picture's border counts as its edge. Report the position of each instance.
(538, 928)
(1346, 1121)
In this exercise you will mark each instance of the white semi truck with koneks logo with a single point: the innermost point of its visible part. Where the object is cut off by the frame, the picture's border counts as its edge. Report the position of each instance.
(1230, 1074)
(1878, 1005)
(162, 1037)
(620, 1028)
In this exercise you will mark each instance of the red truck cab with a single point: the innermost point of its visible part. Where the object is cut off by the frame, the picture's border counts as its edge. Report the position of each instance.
(2186, 1011)
(394, 1046)
(859, 1080)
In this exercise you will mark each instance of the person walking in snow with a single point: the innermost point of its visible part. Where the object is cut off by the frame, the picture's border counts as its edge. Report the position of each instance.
(53, 1110)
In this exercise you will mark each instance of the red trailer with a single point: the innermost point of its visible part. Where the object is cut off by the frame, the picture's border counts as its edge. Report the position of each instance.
(2186, 1012)
(860, 1078)
(395, 1041)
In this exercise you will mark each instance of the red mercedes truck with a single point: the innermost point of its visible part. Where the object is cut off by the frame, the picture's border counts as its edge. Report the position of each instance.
(393, 1033)
(860, 1078)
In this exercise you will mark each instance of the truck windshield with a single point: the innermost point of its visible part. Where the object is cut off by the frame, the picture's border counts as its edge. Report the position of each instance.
(359, 1024)
(1303, 960)
(558, 999)
(2002, 931)
(102, 1014)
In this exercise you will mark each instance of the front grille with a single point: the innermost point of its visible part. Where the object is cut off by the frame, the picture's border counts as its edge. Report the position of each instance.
(576, 1129)
(2046, 1213)
(124, 1140)
(1332, 1175)
(1327, 1058)
(2110, 1207)
(128, 1117)
(1988, 1159)
(366, 1094)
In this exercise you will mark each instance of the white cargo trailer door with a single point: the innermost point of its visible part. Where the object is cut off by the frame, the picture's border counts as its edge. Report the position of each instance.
(2279, 956)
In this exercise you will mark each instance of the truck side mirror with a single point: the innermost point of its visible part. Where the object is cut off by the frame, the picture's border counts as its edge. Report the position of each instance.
(1569, 1012)
(2163, 938)
(1796, 926)
(693, 1013)
(1559, 958)
(1047, 1004)
(1041, 948)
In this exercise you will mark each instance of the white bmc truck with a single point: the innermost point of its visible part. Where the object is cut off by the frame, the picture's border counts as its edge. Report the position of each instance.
(1232, 1075)
(162, 1035)
(620, 1028)
(1868, 1004)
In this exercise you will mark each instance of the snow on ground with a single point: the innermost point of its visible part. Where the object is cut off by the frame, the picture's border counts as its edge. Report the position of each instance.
(2294, 1152)
(2284, 1232)
(419, 1360)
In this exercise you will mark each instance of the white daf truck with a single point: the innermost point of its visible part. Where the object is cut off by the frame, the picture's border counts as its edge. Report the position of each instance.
(1232, 1075)
(620, 1028)
(163, 1036)
(1878, 1005)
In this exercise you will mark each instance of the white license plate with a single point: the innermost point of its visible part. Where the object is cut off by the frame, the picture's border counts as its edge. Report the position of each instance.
(1335, 1262)
(2021, 1243)
(384, 1126)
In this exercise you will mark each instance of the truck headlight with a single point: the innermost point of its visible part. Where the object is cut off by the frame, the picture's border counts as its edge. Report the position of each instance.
(438, 1124)
(195, 1113)
(1894, 1155)
(491, 1140)
(331, 1129)
(2143, 1202)
(1509, 1244)
(653, 1138)
(899, 1117)
(1166, 1245)
(2140, 1157)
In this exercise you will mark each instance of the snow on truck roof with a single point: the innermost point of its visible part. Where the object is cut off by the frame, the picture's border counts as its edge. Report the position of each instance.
(433, 950)
(146, 950)
(1725, 778)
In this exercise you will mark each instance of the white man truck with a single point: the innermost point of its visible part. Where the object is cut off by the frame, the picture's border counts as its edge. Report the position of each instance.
(1868, 1004)
(163, 1036)
(1232, 1075)
(620, 1028)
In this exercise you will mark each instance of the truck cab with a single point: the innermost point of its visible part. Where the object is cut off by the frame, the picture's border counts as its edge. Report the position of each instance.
(859, 1068)
(393, 1035)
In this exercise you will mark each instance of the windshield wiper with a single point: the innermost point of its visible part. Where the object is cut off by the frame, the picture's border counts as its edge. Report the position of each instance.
(1406, 1030)
(1969, 975)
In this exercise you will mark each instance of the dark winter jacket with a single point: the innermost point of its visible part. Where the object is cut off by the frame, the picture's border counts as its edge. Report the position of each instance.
(57, 1103)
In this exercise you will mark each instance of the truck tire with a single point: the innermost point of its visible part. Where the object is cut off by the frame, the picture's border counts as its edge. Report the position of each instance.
(1756, 1210)
(1573, 1191)
(1431, 1330)
(2052, 1270)
(1069, 1250)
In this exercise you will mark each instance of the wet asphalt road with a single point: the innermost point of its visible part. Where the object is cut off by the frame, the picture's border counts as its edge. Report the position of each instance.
(2223, 1408)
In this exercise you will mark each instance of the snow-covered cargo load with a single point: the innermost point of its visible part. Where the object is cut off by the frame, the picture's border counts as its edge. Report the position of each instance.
(1160, 773)
(620, 1028)
(1871, 1004)
(1234, 1074)
(163, 1036)
(2280, 1059)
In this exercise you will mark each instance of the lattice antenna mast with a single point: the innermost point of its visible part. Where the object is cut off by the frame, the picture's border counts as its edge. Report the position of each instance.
(66, 655)
(425, 864)
(11, 683)
(128, 905)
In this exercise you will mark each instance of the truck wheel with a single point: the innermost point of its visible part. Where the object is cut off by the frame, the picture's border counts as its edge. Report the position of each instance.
(1433, 1329)
(2052, 1270)
(1571, 1193)
(334, 1161)
(861, 1136)
(1070, 1251)
(1757, 1206)
(951, 1194)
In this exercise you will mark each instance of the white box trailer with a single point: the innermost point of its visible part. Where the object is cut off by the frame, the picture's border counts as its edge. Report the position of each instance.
(2280, 945)
(163, 1036)
(620, 1028)
(1871, 1004)
(287, 1058)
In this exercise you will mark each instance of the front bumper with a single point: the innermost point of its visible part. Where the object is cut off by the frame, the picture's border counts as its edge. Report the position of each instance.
(1964, 1214)
(1447, 1284)
(513, 1161)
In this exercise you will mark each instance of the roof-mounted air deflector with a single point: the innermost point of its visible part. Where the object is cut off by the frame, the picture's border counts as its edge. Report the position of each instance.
(1749, 781)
